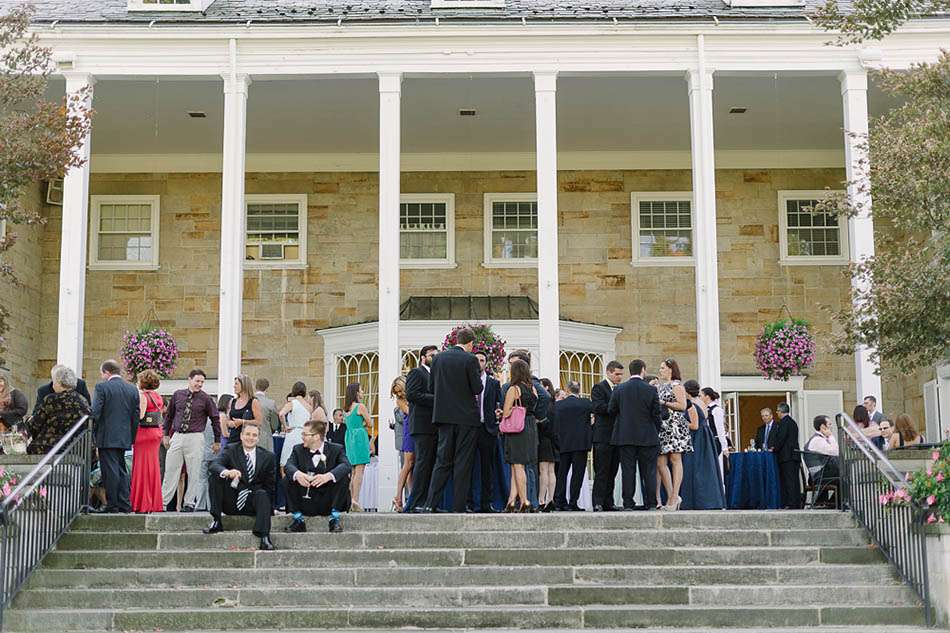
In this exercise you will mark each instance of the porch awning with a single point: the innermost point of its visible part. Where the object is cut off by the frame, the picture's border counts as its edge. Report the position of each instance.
(472, 308)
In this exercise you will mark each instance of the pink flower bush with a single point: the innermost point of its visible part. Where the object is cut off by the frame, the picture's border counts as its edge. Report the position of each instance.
(149, 348)
(784, 349)
(486, 341)
(928, 489)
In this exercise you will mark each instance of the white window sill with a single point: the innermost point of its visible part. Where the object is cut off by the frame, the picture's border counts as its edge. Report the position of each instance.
(122, 266)
(275, 266)
(427, 264)
(512, 263)
(663, 262)
(813, 261)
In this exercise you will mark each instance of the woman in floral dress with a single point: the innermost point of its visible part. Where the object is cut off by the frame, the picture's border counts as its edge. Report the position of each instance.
(674, 433)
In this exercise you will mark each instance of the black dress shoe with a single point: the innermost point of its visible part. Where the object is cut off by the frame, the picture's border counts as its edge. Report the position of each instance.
(598, 508)
(214, 528)
(336, 526)
(296, 526)
(574, 508)
(470, 510)
(421, 510)
(188, 508)
(488, 510)
(440, 511)
(266, 544)
(611, 509)
(547, 507)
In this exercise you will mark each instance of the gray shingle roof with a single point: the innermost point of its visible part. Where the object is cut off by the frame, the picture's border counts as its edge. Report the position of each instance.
(468, 308)
(381, 11)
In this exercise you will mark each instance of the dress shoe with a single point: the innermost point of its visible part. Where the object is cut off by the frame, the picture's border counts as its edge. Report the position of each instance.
(266, 544)
(629, 509)
(488, 510)
(441, 511)
(547, 507)
(574, 508)
(296, 526)
(336, 526)
(214, 528)
(611, 509)
(422, 510)
(188, 508)
(598, 508)
(470, 510)
(100, 510)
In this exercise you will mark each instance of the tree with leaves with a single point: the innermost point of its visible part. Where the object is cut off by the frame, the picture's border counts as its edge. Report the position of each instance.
(38, 138)
(873, 19)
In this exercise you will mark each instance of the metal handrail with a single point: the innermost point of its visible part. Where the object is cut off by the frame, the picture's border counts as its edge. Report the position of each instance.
(41, 508)
(898, 532)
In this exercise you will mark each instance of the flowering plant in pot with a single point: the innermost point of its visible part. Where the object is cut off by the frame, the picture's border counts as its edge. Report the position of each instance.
(784, 349)
(486, 341)
(149, 347)
(929, 489)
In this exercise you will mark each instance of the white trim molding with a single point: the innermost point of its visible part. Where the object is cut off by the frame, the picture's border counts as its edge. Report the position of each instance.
(501, 262)
(758, 383)
(280, 198)
(448, 199)
(636, 197)
(785, 259)
(96, 202)
(179, 5)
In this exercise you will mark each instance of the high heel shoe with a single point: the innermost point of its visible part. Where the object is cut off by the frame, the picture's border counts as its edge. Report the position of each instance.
(397, 505)
(525, 508)
(510, 508)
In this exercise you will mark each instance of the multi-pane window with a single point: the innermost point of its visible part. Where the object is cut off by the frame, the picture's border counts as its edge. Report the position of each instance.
(410, 360)
(276, 231)
(362, 368)
(427, 230)
(124, 232)
(662, 227)
(587, 368)
(807, 235)
(511, 228)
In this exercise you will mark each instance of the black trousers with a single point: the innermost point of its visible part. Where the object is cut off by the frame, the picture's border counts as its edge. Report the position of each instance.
(576, 462)
(606, 464)
(487, 448)
(454, 458)
(790, 484)
(330, 496)
(115, 478)
(422, 469)
(642, 458)
(224, 501)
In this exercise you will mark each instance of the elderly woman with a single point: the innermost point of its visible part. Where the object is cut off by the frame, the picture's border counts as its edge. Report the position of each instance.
(58, 413)
(12, 405)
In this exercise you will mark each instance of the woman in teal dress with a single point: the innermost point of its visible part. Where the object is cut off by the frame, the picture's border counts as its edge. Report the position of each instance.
(358, 428)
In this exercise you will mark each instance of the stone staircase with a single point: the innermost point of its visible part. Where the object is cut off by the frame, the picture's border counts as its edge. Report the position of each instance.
(803, 571)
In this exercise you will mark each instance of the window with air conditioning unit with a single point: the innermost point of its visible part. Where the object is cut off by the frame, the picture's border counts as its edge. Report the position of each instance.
(276, 231)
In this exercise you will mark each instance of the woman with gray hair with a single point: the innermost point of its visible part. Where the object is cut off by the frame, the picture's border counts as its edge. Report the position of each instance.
(58, 412)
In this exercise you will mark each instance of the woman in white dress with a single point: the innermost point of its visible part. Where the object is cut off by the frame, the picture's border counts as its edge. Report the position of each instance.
(293, 416)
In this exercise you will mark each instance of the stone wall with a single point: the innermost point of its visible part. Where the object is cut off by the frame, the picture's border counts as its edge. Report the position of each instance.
(654, 305)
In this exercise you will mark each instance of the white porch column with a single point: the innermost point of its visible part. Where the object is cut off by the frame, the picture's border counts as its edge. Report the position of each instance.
(854, 93)
(233, 222)
(389, 148)
(75, 235)
(545, 112)
(704, 245)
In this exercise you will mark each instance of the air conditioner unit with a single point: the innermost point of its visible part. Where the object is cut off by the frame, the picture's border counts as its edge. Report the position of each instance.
(54, 192)
(272, 251)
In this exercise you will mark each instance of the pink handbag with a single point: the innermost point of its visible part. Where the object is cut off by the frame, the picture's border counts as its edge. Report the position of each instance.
(514, 423)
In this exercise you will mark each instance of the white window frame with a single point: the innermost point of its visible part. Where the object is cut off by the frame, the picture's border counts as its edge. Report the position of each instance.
(300, 199)
(448, 199)
(636, 198)
(467, 4)
(809, 260)
(96, 203)
(193, 5)
(489, 200)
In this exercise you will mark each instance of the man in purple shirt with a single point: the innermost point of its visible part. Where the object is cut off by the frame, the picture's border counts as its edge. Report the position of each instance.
(188, 412)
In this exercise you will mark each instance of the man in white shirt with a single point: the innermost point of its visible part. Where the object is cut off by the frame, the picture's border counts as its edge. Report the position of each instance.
(317, 479)
(825, 443)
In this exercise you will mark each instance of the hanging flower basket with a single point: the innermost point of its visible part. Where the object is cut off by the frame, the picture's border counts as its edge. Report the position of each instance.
(486, 341)
(149, 347)
(784, 349)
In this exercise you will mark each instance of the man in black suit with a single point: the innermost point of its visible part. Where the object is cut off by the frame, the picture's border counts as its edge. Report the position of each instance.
(763, 435)
(636, 407)
(115, 414)
(47, 389)
(456, 383)
(575, 433)
(421, 399)
(606, 456)
(486, 438)
(784, 443)
(317, 480)
(241, 482)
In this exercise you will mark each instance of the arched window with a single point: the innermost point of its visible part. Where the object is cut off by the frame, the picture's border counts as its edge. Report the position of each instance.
(410, 360)
(587, 368)
(364, 369)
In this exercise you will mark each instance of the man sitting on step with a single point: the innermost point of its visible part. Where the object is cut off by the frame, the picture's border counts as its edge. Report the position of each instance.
(317, 479)
(241, 482)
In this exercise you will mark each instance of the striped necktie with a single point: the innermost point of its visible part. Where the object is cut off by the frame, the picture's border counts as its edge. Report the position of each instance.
(243, 495)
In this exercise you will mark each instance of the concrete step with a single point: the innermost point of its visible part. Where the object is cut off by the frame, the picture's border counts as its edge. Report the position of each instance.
(816, 575)
(819, 629)
(642, 616)
(548, 540)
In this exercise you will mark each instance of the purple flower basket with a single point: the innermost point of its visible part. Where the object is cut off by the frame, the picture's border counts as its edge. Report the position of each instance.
(784, 349)
(149, 348)
(486, 341)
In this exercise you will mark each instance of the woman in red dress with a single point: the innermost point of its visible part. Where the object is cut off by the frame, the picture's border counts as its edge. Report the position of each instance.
(146, 474)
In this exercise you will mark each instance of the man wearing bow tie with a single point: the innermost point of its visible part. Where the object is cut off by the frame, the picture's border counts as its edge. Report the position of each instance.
(242, 482)
(317, 479)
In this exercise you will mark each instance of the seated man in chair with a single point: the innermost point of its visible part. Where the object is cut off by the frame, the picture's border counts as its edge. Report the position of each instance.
(241, 481)
(317, 479)
(821, 457)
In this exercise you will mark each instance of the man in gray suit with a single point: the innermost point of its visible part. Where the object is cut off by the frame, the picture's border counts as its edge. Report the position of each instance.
(115, 413)
(271, 423)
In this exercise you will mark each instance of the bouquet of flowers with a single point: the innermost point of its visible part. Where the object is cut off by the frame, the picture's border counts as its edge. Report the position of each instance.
(149, 348)
(784, 349)
(929, 489)
(486, 341)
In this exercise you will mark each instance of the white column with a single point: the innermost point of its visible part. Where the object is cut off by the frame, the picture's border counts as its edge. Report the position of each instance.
(545, 112)
(389, 124)
(233, 221)
(75, 229)
(704, 231)
(854, 94)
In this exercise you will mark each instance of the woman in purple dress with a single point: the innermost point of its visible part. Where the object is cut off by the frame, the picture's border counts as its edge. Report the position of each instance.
(404, 483)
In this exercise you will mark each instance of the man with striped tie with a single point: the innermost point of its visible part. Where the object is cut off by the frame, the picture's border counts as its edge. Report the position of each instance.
(242, 482)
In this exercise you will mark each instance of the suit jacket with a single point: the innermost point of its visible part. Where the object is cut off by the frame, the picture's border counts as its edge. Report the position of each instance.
(47, 389)
(421, 400)
(784, 440)
(541, 407)
(603, 421)
(115, 414)
(302, 459)
(574, 430)
(232, 458)
(491, 400)
(760, 436)
(269, 411)
(637, 411)
(456, 380)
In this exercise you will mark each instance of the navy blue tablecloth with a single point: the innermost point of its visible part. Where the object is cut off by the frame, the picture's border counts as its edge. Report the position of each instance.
(753, 482)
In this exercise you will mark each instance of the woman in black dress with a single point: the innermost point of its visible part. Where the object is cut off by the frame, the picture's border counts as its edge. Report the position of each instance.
(520, 448)
(547, 453)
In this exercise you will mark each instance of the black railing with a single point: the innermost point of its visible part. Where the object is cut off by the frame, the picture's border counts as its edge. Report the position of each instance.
(41, 508)
(897, 530)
